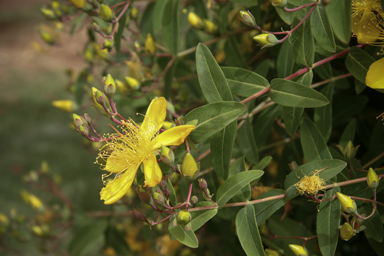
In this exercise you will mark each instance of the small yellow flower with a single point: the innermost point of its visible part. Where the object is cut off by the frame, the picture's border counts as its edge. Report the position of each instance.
(375, 75)
(124, 154)
(310, 184)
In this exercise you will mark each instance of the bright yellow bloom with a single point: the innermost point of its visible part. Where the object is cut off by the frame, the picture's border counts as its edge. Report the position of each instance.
(375, 75)
(137, 144)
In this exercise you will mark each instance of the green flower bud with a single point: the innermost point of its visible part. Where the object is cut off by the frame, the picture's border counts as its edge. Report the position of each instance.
(77, 121)
(346, 231)
(278, 3)
(269, 252)
(203, 184)
(158, 198)
(184, 217)
(266, 40)
(167, 156)
(84, 131)
(298, 250)
(44, 167)
(78, 3)
(144, 195)
(194, 200)
(47, 37)
(347, 203)
(88, 118)
(48, 13)
(350, 151)
(189, 168)
(105, 12)
(109, 86)
(248, 18)
(372, 179)
(100, 101)
(108, 44)
(263, 229)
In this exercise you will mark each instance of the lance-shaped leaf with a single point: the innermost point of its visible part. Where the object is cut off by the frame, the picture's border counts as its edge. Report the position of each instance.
(321, 29)
(285, 61)
(374, 226)
(339, 15)
(248, 232)
(292, 94)
(171, 25)
(199, 218)
(358, 62)
(323, 115)
(247, 142)
(264, 210)
(234, 184)
(303, 44)
(187, 238)
(245, 193)
(233, 54)
(120, 31)
(212, 118)
(212, 80)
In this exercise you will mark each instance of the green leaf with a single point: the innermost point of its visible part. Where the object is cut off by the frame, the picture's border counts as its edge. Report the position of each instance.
(233, 54)
(324, 70)
(158, 11)
(263, 124)
(171, 25)
(292, 94)
(88, 238)
(248, 232)
(321, 29)
(247, 142)
(115, 239)
(212, 80)
(314, 146)
(221, 149)
(243, 82)
(264, 210)
(303, 45)
(374, 226)
(213, 118)
(245, 193)
(285, 61)
(234, 184)
(199, 218)
(292, 117)
(377, 135)
(263, 163)
(120, 31)
(339, 15)
(172, 196)
(348, 133)
(81, 81)
(376, 246)
(323, 115)
(358, 62)
(327, 223)
(76, 22)
(287, 17)
(187, 238)
(333, 166)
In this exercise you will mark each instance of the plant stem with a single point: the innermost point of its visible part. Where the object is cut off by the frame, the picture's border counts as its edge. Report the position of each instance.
(348, 182)
(298, 8)
(189, 196)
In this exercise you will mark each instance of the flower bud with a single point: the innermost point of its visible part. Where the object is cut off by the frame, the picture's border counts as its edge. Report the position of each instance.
(47, 37)
(189, 168)
(248, 18)
(194, 200)
(210, 27)
(65, 105)
(44, 167)
(134, 13)
(350, 151)
(88, 118)
(167, 125)
(298, 250)
(144, 195)
(109, 86)
(372, 179)
(263, 229)
(269, 252)
(4, 221)
(77, 121)
(195, 21)
(32, 200)
(278, 3)
(266, 40)
(167, 193)
(347, 203)
(121, 87)
(150, 46)
(105, 12)
(84, 131)
(78, 3)
(132, 83)
(158, 198)
(163, 184)
(48, 13)
(108, 44)
(138, 215)
(184, 217)
(346, 231)
(203, 184)
(167, 156)
(100, 102)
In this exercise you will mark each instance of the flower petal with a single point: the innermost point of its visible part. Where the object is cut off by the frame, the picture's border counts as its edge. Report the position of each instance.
(366, 29)
(155, 116)
(375, 75)
(117, 188)
(174, 136)
(116, 164)
(152, 172)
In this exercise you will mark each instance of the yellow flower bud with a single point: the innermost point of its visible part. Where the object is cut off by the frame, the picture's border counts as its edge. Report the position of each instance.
(248, 18)
(109, 86)
(134, 13)
(48, 14)
(269, 252)
(132, 83)
(150, 46)
(266, 40)
(44, 167)
(167, 125)
(121, 87)
(372, 179)
(375, 75)
(346, 231)
(108, 44)
(195, 21)
(4, 221)
(37, 230)
(184, 217)
(105, 12)
(65, 105)
(55, 5)
(298, 250)
(167, 156)
(189, 168)
(278, 3)
(78, 3)
(347, 203)
(31, 199)
(47, 37)
(210, 27)
(99, 99)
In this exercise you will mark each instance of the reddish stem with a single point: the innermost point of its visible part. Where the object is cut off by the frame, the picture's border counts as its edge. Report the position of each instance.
(189, 196)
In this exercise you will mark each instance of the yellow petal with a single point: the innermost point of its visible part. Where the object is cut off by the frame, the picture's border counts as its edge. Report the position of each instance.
(375, 75)
(116, 164)
(152, 172)
(117, 188)
(154, 118)
(367, 29)
(174, 136)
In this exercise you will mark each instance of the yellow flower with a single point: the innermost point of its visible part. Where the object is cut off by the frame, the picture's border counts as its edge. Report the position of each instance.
(375, 75)
(137, 144)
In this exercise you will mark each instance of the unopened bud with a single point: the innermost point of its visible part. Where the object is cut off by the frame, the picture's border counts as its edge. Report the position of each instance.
(270, 252)
(150, 46)
(99, 100)
(203, 184)
(263, 229)
(372, 179)
(48, 13)
(167, 156)
(266, 40)
(88, 118)
(195, 21)
(298, 250)
(189, 168)
(78, 3)
(194, 200)
(167, 125)
(65, 105)
(84, 131)
(44, 167)
(109, 86)
(134, 12)
(346, 231)
(184, 217)
(350, 151)
(179, 120)
(105, 12)
(77, 121)
(278, 3)
(163, 184)
(167, 193)
(121, 87)
(108, 44)
(209, 26)
(248, 18)
(47, 37)
(347, 203)
(158, 198)
(144, 195)
(132, 83)
(138, 215)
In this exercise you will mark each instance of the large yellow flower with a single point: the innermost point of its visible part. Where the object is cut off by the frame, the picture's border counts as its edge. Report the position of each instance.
(135, 145)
